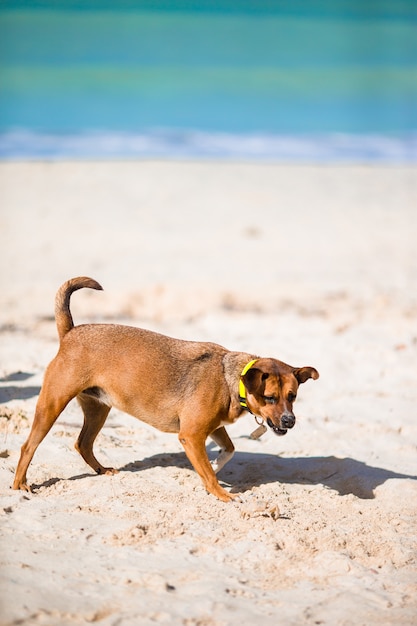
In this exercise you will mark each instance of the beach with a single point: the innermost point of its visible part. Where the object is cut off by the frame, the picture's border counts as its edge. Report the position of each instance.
(311, 264)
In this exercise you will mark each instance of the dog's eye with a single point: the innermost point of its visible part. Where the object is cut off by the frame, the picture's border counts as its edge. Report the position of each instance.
(270, 399)
(291, 397)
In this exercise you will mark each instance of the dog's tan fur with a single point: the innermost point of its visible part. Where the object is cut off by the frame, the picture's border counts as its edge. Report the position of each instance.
(185, 387)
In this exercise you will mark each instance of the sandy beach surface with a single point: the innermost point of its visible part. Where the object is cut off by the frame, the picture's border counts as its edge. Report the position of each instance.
(314, 265)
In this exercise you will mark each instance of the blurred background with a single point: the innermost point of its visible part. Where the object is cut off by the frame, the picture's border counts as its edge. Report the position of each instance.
(191, 152)
(293, 80)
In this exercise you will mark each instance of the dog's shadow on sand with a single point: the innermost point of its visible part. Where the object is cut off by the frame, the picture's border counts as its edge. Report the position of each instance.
(16, 392)
(247, 470)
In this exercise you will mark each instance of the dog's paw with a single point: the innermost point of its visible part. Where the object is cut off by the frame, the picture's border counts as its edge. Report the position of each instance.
(22, 487)
(110, 471)
(106, 471)
(223, 495)
(221, 460)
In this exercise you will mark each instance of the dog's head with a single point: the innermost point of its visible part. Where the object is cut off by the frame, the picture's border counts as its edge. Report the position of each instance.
(271, 387)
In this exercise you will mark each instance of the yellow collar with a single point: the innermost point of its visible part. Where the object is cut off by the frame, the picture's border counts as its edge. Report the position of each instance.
(242, 388)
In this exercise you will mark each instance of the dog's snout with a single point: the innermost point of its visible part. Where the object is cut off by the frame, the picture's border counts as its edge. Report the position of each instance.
(287, 420)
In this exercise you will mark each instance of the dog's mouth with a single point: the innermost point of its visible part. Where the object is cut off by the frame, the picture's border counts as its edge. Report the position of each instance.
(277, 431)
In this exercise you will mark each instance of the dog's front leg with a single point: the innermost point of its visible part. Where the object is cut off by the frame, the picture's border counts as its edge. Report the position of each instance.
(226, 446)
(195, 449)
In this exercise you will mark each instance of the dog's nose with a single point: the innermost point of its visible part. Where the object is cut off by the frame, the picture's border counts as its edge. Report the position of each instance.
(287, 420)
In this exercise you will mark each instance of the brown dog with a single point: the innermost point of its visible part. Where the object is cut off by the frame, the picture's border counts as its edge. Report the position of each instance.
(190, 388)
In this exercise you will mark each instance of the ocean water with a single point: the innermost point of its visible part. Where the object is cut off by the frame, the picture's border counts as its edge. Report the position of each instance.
(264, 80)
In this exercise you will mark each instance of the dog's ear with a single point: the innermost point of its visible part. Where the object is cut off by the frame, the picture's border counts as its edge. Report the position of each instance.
(304, 373)
(254, 379)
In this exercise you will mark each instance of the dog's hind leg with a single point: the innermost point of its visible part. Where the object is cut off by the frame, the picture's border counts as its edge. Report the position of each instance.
(95, 414)
(47, 411)
(227, 448)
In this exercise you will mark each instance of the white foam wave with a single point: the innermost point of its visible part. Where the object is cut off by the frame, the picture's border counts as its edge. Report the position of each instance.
(24, 144)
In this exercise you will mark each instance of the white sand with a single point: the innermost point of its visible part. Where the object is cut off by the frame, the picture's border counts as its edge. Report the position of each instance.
(312, 265)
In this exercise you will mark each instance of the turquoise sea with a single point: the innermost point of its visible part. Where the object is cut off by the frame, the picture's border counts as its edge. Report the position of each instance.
(268, 79)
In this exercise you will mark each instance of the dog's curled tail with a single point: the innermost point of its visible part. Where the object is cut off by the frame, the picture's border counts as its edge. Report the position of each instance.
(63, 317)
